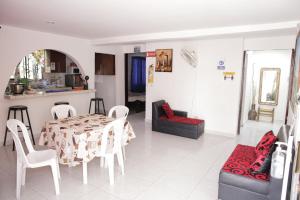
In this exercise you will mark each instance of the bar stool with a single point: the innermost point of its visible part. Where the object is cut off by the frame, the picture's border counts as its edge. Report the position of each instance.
(15, 109)
(97, 105)
(61, 103)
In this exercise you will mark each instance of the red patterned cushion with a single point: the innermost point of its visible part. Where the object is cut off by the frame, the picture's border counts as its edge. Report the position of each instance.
(169, 112)
(240, 161)
(257, 164)
(262, 162)
(265, 143)
(184, 120)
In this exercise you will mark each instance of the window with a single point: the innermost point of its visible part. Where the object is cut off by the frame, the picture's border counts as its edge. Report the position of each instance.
(32, 66)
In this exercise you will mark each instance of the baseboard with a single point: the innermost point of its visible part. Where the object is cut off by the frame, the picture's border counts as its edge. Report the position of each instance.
(225, 134)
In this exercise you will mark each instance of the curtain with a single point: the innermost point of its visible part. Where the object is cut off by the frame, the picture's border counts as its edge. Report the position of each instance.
(138, 74)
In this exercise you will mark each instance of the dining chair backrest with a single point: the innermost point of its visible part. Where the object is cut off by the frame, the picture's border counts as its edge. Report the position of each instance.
(120, 111)
(13, 125)
(62, 111)
(117, 128)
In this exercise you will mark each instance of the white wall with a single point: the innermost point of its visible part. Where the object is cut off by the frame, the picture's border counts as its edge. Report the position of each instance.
(201, 91)
(17, 43)
(215, 100)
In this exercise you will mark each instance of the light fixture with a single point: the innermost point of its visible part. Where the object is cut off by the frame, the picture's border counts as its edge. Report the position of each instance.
(50, 22)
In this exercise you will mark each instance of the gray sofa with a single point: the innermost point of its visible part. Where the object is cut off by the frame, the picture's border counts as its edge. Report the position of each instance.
(164, 125)
(233, 186)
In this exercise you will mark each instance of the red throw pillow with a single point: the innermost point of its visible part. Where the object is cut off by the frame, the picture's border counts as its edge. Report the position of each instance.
(169, 112)
(265, 143)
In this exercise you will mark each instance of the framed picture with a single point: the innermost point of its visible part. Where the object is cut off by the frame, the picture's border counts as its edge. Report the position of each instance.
(164, 59)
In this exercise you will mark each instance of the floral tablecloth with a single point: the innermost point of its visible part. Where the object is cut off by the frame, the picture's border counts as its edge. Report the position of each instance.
(76, 139)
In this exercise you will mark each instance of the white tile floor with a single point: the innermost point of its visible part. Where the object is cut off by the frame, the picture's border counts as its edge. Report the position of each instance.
(158, 166)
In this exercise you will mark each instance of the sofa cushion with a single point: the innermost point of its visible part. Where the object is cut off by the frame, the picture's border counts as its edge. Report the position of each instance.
(167, 109)
(262, 162)
(265, 143)
(184, 120)
(240, 161)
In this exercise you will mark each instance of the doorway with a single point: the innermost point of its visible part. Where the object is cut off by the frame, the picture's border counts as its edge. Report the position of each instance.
(265, 91)
(135, 82)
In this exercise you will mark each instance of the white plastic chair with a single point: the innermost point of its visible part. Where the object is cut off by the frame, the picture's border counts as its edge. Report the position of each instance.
(120, 112)
(108, 151)
(33, 159)
(62, 111)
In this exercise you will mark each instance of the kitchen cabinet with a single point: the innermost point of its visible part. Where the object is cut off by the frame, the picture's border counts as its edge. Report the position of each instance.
(104, 64)
(57, 61)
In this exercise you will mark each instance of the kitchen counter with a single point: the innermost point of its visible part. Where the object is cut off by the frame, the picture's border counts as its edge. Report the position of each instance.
(44, 94)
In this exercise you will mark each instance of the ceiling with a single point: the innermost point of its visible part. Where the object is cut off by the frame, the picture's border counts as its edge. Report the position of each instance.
(95, 19)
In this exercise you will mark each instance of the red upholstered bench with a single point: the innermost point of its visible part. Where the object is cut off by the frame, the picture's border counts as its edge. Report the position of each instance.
(240, 160)
(237, 180)
(176, 123)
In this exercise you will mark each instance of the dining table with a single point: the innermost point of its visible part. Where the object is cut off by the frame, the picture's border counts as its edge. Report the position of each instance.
(77, 139)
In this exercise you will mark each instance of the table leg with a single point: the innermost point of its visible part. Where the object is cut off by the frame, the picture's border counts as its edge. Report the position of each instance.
(84, 172)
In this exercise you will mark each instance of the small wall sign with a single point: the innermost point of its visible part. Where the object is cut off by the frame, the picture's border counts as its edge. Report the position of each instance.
(151, 54)
(228, 75)
(52, 65)
(221, 65)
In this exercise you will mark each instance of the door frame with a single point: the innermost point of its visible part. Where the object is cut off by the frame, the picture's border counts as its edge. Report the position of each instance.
(242, 93)
(126, 78)
(244, 69)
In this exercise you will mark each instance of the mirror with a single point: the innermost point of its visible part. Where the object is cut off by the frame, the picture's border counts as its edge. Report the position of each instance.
(269, 86)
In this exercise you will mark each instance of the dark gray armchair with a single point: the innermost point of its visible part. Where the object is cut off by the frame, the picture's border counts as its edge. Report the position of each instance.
(234, 186)
(165, 125)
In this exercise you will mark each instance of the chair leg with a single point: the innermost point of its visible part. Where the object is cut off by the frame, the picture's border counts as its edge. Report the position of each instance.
(110, 160)
(23, 175)
(121, 161)
(84, 172)
(103, 107)
(55, 176)
(96, 107)
(15, 116)
(30, 127)
(90, 107)
(19, 179)
(58, 171)
(6, 130)
(123, 151)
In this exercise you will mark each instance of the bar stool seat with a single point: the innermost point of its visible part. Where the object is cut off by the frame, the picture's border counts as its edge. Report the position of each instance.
(15, 109)
(97, 105)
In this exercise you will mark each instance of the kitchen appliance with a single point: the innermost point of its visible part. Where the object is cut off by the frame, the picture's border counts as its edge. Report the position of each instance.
(17, 88)
(73, 80)
(73, 70)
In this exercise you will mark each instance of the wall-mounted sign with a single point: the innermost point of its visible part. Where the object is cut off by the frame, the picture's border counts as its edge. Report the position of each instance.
(221, 65)
(229, 75)
(52, 65)
(150, 74)
(151, 54)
